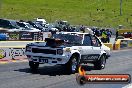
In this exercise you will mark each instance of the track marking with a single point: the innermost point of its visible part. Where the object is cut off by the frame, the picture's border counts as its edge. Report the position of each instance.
(120, 50)
(3, 62)
(12, 61)
(128, 86)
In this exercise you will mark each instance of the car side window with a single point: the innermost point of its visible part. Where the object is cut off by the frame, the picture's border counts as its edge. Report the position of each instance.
(95, 42)
(5, 24)
(87, 41)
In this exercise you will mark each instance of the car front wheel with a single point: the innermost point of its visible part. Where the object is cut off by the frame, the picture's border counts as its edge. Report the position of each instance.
(33, 65)
(72, 65)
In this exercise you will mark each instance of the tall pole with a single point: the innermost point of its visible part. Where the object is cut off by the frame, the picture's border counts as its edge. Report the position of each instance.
(120, 7)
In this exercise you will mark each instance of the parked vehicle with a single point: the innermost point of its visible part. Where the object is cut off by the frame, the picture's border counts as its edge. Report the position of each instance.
(9, 24)
(40, 21)
(27, 27)
(37, 26)
(50, 27)
(127, 34)
(61, 24)
(3, 37)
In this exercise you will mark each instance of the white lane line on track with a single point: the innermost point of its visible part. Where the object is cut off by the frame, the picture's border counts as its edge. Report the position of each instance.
(120, 50)
(13, 61)
(128, 86)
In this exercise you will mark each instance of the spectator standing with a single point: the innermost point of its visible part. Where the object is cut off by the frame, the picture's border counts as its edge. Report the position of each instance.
(117, 33)
(97, 32)
(82, 28)
(108, 36)
(104, 36)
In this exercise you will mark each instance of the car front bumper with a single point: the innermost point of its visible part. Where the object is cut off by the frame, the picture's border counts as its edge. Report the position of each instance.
(50, 59)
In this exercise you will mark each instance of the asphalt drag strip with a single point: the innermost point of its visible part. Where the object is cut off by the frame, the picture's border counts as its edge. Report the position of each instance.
(18, 75)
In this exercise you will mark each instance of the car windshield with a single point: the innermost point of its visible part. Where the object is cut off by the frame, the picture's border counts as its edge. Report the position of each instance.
(38, 25)
(24, 26)
(74, 39)
(13, 23)
(41, 22)
(29, 26)
(21, 24)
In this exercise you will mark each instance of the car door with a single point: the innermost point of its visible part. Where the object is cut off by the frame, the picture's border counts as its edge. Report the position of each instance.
(87, 47)
(96, 45)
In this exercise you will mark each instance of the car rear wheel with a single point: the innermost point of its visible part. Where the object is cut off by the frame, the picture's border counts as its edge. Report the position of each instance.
(100, 64)
(33, 65)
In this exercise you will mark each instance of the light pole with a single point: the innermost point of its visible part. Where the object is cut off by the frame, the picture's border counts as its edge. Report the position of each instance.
(120, 7)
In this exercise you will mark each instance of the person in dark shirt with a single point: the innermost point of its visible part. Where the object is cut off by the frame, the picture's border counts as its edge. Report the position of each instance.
(82, 28)
(108, 35)
(116, 33)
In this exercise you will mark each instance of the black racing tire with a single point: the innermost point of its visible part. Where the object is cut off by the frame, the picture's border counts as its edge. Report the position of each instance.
(72, 65)
(33, 65)
(100, 64)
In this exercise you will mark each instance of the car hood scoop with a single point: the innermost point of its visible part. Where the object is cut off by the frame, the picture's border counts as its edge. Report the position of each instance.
(53, 42)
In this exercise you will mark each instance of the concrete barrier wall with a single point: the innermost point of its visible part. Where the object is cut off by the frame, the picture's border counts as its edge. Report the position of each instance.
(126, 43)
(116, 46)
(123, 43)
(110, 45)
(12, 52)
(13, 49)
